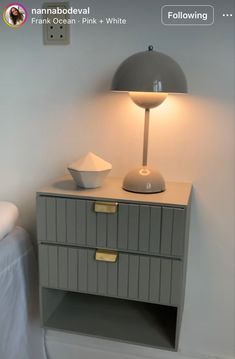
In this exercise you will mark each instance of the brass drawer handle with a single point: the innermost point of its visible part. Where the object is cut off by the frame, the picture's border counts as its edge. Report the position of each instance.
(106, 256)
(106, 207)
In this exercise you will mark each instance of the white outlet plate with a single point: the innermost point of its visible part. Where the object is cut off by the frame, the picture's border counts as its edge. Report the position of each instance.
(56, 34)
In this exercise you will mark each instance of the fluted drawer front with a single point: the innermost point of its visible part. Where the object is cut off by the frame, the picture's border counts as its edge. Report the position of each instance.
(136, 277)
(132, 228)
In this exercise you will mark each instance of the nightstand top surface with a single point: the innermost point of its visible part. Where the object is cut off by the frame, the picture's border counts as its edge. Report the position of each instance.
(177, 194)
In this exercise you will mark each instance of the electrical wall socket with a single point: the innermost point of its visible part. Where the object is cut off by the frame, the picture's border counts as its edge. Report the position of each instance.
(55, 32)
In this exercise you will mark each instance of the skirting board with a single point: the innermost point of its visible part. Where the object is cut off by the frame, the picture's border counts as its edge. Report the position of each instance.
(62, 345)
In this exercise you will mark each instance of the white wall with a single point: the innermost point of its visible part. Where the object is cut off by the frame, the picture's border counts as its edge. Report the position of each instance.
(55, 107)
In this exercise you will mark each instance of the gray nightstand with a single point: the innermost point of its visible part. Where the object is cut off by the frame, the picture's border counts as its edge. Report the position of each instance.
(113, 263)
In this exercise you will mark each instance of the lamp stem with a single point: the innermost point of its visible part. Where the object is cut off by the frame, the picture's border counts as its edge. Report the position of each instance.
(146, 137)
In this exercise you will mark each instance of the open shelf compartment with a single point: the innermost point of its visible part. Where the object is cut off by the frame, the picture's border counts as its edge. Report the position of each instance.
(117, 319)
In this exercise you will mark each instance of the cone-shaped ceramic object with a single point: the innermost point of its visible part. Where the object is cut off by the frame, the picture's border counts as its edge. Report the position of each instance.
(89, 171)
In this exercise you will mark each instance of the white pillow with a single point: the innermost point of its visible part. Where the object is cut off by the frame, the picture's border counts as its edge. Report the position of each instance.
(8, 217)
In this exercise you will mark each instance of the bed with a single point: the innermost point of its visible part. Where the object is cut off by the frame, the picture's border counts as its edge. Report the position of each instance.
(20, 334)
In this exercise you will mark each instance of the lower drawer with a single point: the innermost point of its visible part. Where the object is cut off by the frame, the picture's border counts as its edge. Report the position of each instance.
(135, 277)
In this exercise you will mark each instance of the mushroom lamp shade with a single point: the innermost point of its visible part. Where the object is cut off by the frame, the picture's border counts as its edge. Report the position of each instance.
(148, 77)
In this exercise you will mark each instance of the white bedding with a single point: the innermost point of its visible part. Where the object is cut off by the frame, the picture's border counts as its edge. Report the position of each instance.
(20, 333)
(9, 214)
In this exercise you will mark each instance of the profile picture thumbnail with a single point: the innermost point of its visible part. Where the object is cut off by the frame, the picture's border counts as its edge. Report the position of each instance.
(15, 15)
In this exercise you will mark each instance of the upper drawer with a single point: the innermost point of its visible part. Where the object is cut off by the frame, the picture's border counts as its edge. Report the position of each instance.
(133, 227)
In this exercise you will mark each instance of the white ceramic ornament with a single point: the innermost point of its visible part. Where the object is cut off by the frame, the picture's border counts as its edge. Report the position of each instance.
(89, 171)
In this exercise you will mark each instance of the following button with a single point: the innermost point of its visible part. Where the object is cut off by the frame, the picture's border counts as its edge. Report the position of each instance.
(186, 15)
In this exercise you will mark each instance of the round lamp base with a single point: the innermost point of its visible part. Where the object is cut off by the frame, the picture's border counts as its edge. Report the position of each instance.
(144, 180)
